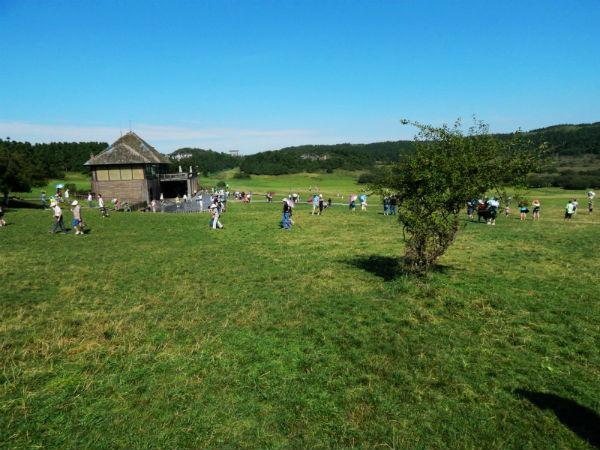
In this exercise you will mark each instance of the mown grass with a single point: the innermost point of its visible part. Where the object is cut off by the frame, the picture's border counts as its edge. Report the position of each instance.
(154, 331)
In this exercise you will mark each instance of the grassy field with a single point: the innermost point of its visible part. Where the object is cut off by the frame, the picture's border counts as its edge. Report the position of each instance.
(153, 331)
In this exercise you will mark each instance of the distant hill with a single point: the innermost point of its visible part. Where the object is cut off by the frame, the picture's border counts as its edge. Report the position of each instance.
(564, 140)
(207, 161)
(570, 140)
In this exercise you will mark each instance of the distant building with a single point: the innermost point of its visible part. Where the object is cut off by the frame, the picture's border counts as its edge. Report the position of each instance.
(313, 157)
(180, 156)
(134, 171)
(234, 152)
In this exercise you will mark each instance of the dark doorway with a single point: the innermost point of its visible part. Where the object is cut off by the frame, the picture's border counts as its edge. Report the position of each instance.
(172, 189)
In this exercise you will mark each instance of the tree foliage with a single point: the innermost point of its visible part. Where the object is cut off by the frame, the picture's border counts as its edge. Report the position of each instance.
(448, 167)
(205, 161)
(24, 165)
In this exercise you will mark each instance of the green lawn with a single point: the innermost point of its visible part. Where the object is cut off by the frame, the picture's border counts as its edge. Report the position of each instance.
(154, 331)
(330, 185)
(82, 181)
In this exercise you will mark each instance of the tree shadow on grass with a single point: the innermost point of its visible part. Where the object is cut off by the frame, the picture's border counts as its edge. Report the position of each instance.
(581, 420)
(22, 204)
(386, 267)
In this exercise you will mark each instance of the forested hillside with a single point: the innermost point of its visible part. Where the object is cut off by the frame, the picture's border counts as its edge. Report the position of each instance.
(573, 162)
(563, 140)
(570, 140)
(206, 161)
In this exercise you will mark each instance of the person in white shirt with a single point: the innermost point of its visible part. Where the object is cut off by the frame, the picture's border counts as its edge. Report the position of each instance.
(569, 210)
(103, 210)
(77, 223)
(58, 218)
(90, 200)
(590, 196)
(214, 211)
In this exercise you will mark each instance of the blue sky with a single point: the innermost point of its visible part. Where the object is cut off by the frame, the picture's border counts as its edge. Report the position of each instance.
(258, 75)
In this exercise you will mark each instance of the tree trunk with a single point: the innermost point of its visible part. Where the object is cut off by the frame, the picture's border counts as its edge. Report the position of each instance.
(5, 201)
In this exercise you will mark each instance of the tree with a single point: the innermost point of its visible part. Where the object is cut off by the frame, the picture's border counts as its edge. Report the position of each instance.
(18, 171)
(447, 168)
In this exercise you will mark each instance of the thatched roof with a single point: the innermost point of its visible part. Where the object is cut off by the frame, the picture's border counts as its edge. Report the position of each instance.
(129, 149)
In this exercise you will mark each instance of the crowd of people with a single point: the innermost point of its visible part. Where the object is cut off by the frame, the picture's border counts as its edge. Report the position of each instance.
(485, 208)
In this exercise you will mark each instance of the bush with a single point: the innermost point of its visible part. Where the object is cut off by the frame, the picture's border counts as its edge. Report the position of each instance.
(221, 184)
(242, 176)
(71, 187)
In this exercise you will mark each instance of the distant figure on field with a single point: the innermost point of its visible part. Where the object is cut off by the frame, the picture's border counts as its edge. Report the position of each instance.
(153, 205)
(386, 205)
(536, 209)
(363, 202)
(523, 210)
(315, 204)
(286, 219)
(590, 197)
(575, 205)
(2, 221)
(67, 195)
(393, 205)
(77, 223)
(103, 210)
(214, 211)
(177, 201)
(352, 202)
(90, 200)
(569, 210)
(493, 207)
(58, 218)
(43, 199)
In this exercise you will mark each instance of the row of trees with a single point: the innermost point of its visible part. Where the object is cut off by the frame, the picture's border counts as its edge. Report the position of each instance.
(561, 140)
(207, 161)
(24, 165)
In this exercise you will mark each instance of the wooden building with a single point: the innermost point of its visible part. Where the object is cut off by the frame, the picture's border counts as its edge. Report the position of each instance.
(134, 171)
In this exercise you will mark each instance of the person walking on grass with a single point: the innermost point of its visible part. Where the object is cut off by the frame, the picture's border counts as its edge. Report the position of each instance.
(590, 197)
(90, 200)
(569, 210)
(321, 204)
(393, 205)
(58, 219)
(77, 223)
(575, 206)
(43, 199)
(315, 204)
(536, 209)
(286, 218)
(363, 202)
(2, 221)
(101, 207)
(523, 210)
(214, 211)
(352, 203)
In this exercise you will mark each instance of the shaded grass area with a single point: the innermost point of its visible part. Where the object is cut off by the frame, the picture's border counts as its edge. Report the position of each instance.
(153, 331)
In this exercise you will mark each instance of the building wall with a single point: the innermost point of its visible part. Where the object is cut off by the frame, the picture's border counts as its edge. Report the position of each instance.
(133, 191)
